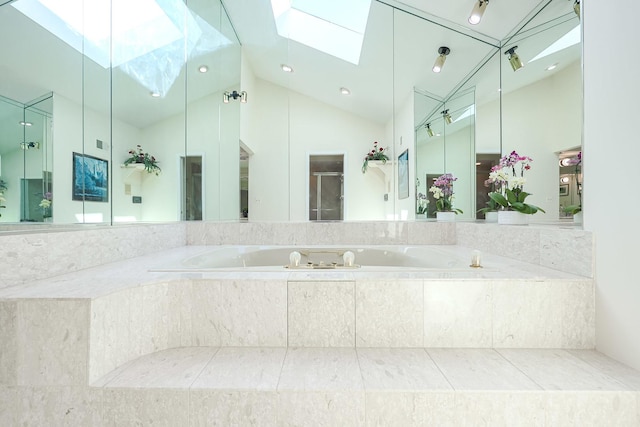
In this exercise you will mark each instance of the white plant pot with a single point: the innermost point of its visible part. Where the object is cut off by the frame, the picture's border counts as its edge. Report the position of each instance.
(577, 218)
(445, 216)
(491, 216)
(512, 218)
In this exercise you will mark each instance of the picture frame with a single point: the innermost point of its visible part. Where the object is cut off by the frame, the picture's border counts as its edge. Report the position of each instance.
(564, 190)
(90, 179)
(403, 175)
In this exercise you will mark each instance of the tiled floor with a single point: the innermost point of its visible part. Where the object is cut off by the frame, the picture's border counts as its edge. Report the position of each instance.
(370, 386)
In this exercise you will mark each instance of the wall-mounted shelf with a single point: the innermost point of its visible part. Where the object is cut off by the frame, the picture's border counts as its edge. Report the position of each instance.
(383, 170)
(132, 169)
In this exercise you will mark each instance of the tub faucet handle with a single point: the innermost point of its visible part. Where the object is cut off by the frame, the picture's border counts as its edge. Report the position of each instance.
(294, 259)
(348, 257)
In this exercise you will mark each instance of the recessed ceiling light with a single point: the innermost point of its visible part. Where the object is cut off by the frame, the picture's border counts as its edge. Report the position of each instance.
(23, 123)
(286, 68)
(155, 94)
(552, 67)
(203, 68)
(345, 91)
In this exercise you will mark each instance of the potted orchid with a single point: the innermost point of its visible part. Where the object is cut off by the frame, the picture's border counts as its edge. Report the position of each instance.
(422, 204)
(3, 188)
(509, 180)
(45, 204)
(442, 190)
(377, 153)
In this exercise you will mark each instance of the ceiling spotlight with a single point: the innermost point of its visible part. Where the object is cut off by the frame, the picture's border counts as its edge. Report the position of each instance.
(23, 123)
(235, 95)
(286, 68)
(565, 179)
(478, 11)
(203, 68)
(565, 162)
(430, 131)
(447, 117)
(514, 59)
(552, 67)
(155, 94)
(443, 51)
(576, 7)
(345, 91)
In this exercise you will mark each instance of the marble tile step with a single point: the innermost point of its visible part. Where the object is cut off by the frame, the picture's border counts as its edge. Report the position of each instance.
(373, 369)
(373, 387)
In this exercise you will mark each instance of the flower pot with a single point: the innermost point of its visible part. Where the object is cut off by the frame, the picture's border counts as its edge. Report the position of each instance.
(491, 216)
(512, 218)
(577, 218)
(445, 216)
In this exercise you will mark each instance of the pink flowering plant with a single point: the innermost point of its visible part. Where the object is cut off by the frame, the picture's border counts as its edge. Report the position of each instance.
(508, 178)
(442, 190)
(377, 153)
(138, 155)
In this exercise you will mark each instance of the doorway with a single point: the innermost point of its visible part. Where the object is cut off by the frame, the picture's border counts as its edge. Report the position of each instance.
(191, 171)
(326, 187)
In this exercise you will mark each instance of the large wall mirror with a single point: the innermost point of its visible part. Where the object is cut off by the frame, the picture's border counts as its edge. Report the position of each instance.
(176, 82)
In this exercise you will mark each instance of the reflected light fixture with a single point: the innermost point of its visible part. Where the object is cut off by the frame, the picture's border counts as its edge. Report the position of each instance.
(447, 117)
(565, 179)
(23, 123)
(576, 7)
(155, 94)
(514, 59)
(28, 145)
(443, 51)
(203, 68)
(345, 91)
(478, 11)
(430, 131)
(551, 67)
(235, 95)
(286, 68)
(565, 162)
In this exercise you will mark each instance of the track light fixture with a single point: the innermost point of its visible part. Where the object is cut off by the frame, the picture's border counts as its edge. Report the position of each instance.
(478, 11)
(430, 131)
(514, 59)
(235, 95)
(447, 117)
(29, 145)
(576, 7)
(443, 51)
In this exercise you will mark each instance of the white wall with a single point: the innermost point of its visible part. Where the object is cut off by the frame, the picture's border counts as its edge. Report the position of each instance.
(68, 137)
(538, 121)
(403, 127)
(610, 151)
(286, 128)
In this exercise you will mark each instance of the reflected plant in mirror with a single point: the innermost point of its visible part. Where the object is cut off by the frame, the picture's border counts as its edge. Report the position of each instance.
(442, 190)
(508, 177)
(3, 188)
(138, 156)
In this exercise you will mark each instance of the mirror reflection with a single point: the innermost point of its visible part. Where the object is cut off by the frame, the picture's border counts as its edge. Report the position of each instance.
(171, 97)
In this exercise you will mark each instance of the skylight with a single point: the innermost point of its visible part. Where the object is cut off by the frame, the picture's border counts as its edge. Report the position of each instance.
(145, 40)
(334, 27)
(568, 40)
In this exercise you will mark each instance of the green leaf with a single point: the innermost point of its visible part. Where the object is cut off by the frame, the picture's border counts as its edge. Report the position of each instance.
(523, 195)
(511, 197)
(499, 199)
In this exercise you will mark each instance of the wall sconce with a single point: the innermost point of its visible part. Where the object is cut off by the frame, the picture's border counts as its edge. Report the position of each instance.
(514, 59)
(235, 95)
(576, 7)
(28, 145)
(478, 11)
(429, 130)
(443, 51)
(447, 117)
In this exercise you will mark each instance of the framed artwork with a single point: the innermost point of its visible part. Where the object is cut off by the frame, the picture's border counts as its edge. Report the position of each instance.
(90, 178)
(564, 190)
(403, 175)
